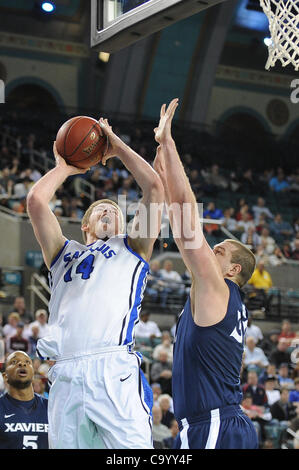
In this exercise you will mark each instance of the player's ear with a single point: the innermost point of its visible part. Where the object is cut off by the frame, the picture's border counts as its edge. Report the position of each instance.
(85, 227)
(236, 269)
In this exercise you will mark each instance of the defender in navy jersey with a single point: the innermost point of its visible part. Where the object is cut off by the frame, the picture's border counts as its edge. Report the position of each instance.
(209, 340)
(23, 413)
(99, 397)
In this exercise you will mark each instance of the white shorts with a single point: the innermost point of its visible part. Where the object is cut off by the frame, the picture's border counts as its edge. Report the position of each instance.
(100, 401)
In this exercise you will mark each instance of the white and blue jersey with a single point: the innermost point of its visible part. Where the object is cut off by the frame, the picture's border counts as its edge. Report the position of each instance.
(23, 424)
(206, 377)
(96, 294)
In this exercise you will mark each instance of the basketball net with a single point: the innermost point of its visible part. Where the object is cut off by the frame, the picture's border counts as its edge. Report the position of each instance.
(283, 18)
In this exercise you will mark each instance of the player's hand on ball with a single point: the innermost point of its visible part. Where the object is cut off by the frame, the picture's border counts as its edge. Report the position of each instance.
(115, 143)
(163, 131)
(72, 170)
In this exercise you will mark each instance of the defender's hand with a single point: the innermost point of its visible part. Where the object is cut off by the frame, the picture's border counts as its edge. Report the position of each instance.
(163, 131)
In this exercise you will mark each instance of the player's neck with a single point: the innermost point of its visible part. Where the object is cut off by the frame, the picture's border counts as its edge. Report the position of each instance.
(233, 280)
(26, 394)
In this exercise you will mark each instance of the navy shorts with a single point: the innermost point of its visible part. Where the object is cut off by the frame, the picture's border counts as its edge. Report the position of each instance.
(222, 428)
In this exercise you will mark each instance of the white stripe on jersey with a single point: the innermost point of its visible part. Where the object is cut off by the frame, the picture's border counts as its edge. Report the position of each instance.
(96, 294)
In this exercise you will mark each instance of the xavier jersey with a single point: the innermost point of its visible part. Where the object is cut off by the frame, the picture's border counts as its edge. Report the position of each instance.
(207, 360)
(96, 294)
(23, 424)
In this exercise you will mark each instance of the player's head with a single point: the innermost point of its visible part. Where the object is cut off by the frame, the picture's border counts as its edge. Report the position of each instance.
(103, 219)
(237, 262)
(18, 370)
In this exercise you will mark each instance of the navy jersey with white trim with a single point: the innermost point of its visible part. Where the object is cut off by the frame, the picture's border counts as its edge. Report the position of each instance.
(23, 424)
(207, 360)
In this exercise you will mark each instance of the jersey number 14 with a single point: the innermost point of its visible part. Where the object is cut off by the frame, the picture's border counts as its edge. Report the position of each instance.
(85, 268)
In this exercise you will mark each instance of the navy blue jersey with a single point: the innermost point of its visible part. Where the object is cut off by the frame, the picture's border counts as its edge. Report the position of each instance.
(23, 424)
(207, 360)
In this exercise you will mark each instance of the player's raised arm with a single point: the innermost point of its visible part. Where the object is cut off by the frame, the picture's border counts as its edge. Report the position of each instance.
(147, 221)
(45, 224)
(184, 215)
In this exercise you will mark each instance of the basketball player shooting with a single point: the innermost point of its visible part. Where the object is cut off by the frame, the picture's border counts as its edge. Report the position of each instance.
(99, 397)
(210, 333)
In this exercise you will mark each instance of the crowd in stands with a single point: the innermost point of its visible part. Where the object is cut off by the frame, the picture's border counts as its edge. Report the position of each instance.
(246, 203)
(269, 375)
(251, 205)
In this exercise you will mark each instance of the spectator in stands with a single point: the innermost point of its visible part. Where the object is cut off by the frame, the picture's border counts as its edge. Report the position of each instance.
(242, 208)
(261, 279)
(267, 241)
(10, 329)
(1, 327)
(249, 183)
(281, 229)
(147, 328)
(286, 250)
(295, 251)
(254, 356)
(170, 441)
(254, 331)
(280, 354)
(261, 209)
(277, 258)
(296, 225)
(156, 389)
(270, 342)
(41, 322)
(18, 342)
(273, 395)
(269, 371)
(161, 372)
(295, 371)
(165, 346)
(251, 238)
(167, 415)
(32, 340)
(283, 410)
(294, 394)
(253, 412)
(278, 183)
(39, 387)
(283, 377)
(213, 177)
(160, 431)
(197, 183)
(245, 223)
(228, 221)
(173, 281)
(262, 223)
(128, 189)
(212, 212)
(287, 331)
(19, 306)
(22, 188)
(154, 282)
(254, 389)
(294, 424)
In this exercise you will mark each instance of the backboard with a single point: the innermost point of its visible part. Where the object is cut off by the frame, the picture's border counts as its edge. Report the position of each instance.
(116, 24)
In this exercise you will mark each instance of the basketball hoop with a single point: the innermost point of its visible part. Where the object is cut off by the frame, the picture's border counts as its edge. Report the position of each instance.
(283, 18)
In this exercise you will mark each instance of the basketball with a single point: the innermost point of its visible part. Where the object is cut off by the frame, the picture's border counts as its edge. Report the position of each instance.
(81, 142)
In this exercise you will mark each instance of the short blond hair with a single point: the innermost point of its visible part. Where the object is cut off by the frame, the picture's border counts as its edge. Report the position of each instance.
(243, 256)
(87, 214)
